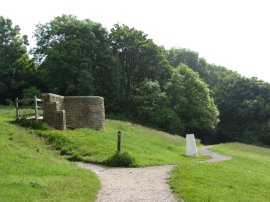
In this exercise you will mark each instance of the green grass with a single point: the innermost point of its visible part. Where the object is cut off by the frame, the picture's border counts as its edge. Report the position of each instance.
(147, 146)
(30, 171)
(244, 178)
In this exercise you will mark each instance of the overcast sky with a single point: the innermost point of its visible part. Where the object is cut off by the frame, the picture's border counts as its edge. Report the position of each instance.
(230, 33)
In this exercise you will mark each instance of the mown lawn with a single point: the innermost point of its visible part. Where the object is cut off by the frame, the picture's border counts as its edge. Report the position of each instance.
(30, 171)
(244, 178)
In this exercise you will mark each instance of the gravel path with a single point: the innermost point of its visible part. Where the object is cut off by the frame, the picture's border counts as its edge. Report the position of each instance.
(139, 184)
(215, 157)
(132, 184)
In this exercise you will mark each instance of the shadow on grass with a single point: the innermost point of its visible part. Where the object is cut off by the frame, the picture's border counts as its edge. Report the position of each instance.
(30, 123)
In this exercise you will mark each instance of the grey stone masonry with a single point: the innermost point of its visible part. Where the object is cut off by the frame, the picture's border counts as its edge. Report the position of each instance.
(63, 112)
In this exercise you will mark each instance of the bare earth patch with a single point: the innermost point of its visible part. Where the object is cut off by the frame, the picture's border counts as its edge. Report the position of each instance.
(215, 157)
(133, 184)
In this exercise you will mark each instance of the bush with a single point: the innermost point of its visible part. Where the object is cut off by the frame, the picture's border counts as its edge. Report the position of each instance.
(29, 123)
(120, 159)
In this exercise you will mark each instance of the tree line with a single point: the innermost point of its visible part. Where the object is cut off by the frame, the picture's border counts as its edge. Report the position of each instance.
(173, 90)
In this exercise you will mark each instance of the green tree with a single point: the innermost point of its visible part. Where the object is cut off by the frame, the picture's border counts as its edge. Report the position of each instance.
(75, 58)
(190, 58)
(245, 110)
(152, 107)
(190, 98)
(138, 59)
(243, 103)
(16, 69)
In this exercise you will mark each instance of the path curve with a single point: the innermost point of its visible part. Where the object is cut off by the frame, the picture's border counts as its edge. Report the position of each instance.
(132, 184)
(215, 157)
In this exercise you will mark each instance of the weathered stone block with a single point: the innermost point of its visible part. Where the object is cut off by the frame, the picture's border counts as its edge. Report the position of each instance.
(79, 111)
(60, 120)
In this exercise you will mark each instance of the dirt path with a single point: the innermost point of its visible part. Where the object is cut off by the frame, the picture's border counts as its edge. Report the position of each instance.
(215, 157)
(132, 184)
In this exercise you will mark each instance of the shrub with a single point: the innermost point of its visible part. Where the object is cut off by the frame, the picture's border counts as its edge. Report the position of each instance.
(29, 123)
(120, 159)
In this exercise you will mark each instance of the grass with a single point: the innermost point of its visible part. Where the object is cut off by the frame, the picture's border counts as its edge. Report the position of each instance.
(30, 171)
(244, 178)
(147, 146)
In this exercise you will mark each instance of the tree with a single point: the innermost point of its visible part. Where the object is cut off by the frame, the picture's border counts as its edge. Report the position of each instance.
(75, 57)
(245, 110)
(16, 69)
(191, 59)
(190, 98)
(152, 107)
(243, 103)
(138, 59)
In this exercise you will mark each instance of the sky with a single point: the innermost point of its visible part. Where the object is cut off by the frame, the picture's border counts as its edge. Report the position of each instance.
(230, 33)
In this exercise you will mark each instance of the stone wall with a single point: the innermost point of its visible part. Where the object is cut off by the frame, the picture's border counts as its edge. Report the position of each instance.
(53, 111)
(74, 111)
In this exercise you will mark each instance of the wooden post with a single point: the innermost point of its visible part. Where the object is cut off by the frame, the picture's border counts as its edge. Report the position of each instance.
(36, 108)
(17, 108)
(119, 139)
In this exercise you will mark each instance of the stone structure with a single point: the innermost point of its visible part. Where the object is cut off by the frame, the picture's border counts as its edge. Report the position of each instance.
(191, 148)
(63, 112)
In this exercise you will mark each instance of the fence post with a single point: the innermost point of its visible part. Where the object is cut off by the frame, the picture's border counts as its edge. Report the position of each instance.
(36, 108)
(119, 138)
(17, 108)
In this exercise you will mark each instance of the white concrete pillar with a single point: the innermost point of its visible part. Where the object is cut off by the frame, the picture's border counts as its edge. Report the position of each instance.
(191, 148)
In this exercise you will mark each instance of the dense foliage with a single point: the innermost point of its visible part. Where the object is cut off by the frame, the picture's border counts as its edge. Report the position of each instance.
(190, 99)
(16, 69)
(174, 90)
(243, 103)
(75, 57)
(138, 59)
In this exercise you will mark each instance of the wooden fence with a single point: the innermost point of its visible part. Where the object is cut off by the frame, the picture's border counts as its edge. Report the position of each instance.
(34, 106)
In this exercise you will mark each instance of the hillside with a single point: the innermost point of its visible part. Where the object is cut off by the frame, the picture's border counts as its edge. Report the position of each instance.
(30, 171)
(244, 178)
(147, 146)
(37, 173)
(172, 90)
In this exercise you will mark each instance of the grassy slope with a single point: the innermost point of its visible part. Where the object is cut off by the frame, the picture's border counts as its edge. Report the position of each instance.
(32, 172)
(147, 146)
(244, 178)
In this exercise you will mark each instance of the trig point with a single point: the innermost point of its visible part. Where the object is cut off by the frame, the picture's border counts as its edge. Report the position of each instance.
(191, 148)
